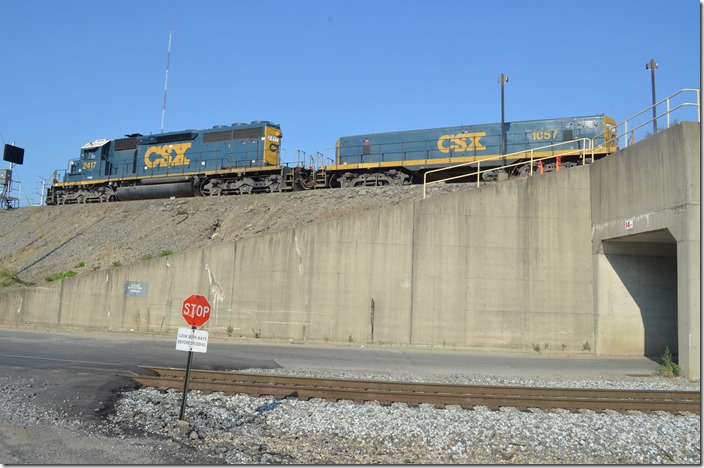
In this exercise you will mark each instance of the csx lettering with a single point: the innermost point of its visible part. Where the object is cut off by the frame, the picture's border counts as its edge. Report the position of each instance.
(167, 155)
(461, 142)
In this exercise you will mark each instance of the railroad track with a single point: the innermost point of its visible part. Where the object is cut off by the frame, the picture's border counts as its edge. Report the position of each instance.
(413, 394)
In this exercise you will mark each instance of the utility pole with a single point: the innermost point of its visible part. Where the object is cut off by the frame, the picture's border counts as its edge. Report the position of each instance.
(652, 66)
(502, 80)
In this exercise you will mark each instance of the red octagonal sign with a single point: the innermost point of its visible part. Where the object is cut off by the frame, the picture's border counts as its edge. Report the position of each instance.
(196, 310)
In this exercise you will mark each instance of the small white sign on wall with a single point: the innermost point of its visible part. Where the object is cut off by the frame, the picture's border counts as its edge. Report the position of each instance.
(629, 223)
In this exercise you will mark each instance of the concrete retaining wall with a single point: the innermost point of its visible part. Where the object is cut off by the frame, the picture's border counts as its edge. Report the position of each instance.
(646, 243)
(503, 267)
(508, 266)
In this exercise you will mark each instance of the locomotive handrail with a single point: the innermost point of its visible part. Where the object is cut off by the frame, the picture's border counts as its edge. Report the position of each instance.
(667, 101)
(588, 148)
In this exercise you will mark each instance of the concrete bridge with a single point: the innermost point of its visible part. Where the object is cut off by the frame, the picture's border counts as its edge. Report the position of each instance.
(600, 259)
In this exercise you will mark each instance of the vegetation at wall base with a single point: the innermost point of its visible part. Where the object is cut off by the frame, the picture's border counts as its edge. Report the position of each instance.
(668, 367)
(59, 276)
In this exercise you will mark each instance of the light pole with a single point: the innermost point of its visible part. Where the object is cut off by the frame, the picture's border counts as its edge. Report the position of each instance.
(652, 66)
(503, 79)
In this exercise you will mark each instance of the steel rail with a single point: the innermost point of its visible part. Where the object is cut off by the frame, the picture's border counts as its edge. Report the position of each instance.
(435, 387)
(414, 394)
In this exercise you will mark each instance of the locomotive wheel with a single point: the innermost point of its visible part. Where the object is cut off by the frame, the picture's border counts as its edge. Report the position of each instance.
(490, 176)
(524, 170)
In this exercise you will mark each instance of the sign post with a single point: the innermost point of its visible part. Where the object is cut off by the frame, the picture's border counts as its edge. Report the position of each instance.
(196, 311)
(371, 319)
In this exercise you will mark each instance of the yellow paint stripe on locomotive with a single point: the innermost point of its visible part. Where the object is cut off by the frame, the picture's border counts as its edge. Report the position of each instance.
(179, 174)
(428, 163)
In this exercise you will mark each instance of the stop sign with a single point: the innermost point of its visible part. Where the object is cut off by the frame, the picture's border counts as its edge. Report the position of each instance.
(196, 310)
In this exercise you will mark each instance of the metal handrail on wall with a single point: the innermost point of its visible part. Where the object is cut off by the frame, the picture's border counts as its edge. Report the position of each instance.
(586, 150)
(629, 126)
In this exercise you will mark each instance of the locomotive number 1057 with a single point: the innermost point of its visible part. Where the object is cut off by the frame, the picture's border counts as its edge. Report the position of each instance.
(544, 135)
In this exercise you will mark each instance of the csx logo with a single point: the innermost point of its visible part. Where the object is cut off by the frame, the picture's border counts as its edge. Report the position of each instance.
(167, 155)
(461, 142)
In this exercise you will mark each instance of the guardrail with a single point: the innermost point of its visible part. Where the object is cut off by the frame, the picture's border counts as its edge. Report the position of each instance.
(525, 157)
(633, 123)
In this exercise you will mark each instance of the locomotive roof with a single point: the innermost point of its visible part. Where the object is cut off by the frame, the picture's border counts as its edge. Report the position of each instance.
(508, 123)
(95, 144)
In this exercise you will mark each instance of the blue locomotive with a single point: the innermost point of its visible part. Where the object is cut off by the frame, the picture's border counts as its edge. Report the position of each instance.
(245, 158)
(223, 160)
(398, 158)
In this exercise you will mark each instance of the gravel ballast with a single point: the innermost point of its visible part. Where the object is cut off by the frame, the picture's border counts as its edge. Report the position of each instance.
(143, 427)
(253, 430)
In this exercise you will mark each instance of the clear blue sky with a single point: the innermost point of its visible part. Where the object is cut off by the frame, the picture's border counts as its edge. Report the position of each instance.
(75, 71)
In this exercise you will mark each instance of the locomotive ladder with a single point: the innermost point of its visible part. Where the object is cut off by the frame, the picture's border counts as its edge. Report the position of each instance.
(315, 164)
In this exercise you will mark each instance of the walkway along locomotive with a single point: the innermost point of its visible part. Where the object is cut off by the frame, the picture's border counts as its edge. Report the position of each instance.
(245, 158)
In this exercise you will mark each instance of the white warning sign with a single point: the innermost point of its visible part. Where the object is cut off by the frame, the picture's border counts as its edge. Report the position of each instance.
(192, 340)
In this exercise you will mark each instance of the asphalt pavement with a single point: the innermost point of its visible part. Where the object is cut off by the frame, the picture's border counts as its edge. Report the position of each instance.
(80, 373)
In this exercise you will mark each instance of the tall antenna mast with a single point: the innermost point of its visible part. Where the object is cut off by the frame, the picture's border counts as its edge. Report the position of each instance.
(166, 82)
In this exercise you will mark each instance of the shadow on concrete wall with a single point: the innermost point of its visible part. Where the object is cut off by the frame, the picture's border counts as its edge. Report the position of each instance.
(648, 271)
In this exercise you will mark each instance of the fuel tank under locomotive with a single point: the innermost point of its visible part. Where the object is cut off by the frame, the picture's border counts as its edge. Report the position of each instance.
(165, 187)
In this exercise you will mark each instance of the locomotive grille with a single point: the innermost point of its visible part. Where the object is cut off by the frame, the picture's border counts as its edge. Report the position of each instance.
(242, 134)
(174, 137)
(568, 135)
(126, 144)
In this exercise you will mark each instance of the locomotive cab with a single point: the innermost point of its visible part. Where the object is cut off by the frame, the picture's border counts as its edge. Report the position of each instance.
(89, 164)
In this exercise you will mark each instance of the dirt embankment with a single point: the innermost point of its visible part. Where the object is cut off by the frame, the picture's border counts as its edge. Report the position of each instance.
(47, 241)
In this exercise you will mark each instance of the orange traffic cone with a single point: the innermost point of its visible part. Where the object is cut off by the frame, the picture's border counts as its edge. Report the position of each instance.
(540, 166)
(557, 163)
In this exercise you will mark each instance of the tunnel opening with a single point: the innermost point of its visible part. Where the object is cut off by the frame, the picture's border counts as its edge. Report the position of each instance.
(637, 295)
